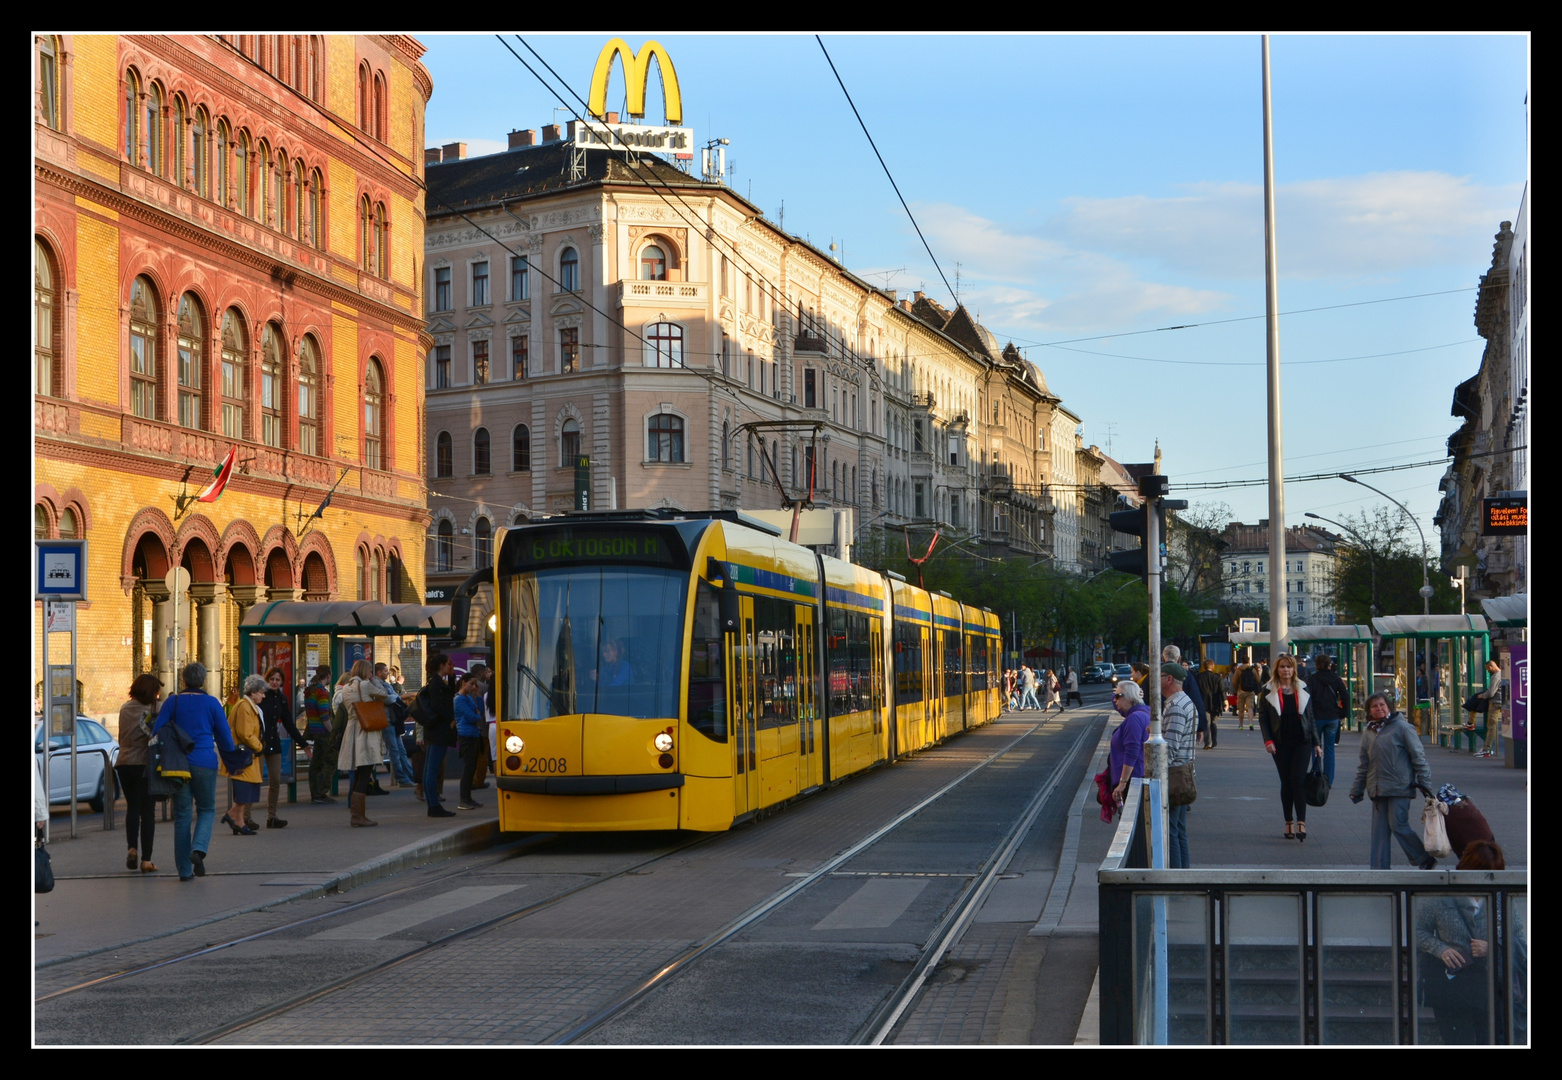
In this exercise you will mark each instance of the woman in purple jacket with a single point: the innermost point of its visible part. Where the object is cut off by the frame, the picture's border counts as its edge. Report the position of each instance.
(1125, 760)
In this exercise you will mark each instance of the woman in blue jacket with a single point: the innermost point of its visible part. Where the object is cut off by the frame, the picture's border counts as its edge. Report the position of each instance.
(200, 716)
(471, 734)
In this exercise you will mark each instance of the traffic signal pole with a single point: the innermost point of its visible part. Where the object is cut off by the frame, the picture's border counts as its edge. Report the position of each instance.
(1155, 746)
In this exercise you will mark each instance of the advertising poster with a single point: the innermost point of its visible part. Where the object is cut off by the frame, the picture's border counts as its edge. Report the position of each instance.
(273, 652)
(356, 650)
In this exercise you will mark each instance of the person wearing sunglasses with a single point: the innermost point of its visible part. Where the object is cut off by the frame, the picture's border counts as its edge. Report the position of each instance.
(1125, 758)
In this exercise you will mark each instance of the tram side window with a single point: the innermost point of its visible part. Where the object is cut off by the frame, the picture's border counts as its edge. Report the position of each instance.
(908, 663)
(977, 644)
(775, 627)
(875, 630)
(861, 651)
(707, 667)
(838, 662)
(954, 680)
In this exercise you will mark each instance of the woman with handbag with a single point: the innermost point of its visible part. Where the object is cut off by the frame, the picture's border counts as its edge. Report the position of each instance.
(363, 740)
(245, 723)
(1285, 716)
(1391, 767)
(135, 730)
(199, 716)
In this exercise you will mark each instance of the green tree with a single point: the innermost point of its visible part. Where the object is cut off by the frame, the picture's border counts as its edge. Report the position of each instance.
(1380, 565)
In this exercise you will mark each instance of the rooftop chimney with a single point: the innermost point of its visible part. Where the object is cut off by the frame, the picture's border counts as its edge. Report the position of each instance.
(550, 133)
(612, 118)
(920, 295)
(454, 151)
(527, 137)
(431, 155)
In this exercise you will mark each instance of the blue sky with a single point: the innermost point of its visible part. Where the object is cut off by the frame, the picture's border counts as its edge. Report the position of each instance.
(1089, 186)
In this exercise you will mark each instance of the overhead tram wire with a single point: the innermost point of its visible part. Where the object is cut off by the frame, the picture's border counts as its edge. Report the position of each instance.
(1259, 363)
(885, 167)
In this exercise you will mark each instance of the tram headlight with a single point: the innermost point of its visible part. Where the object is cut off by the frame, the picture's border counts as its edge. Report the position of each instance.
(514, 745)
(663, 742)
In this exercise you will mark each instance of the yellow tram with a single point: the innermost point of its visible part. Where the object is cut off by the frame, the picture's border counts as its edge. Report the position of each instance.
(669, 670)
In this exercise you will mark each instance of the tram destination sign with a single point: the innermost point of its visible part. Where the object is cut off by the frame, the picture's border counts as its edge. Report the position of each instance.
(607, 545)
(1504, 517)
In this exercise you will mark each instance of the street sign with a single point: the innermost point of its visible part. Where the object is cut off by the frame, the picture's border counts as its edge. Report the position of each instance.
(1247, 626)
(61, 567)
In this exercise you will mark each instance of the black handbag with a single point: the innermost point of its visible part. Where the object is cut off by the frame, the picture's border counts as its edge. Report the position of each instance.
(168, 758)
(1317, 783)
(1477, 703)
(43, 873)
(237, 760)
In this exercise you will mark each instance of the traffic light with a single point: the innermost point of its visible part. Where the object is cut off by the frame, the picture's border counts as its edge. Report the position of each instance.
(1134, 522)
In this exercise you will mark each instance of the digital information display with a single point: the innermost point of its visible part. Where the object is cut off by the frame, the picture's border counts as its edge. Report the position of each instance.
(1504, 517)
(574, 545)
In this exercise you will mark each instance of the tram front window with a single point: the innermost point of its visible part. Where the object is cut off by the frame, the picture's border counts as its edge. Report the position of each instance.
(594, 640)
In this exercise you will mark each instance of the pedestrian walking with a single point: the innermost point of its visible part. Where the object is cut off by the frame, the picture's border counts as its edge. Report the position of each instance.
(1285, 716)
(361, 750)
(275, 718)
(244, 721)
(199, 716)
(135, 730)
(1213, 690)
(317, 721)
(1028, 689)
(1328, 697)
(1010, 694)
(1125, 754)
(434, 710)
(1246, 684)
(1390, 768)
(1179, 727)
(1074, 697)
(1054, 694)
(471, 735)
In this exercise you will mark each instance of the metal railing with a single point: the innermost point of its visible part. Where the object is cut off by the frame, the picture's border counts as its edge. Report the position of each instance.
(1337, 957)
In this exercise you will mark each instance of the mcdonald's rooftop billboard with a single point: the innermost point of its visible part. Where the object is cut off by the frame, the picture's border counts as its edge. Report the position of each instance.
(675, 142)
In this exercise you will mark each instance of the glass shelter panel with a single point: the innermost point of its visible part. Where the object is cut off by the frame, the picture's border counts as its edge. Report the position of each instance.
(1452, 969)
(1518, 970)
(1187, 970)
(1356, 984)
(1263, 968)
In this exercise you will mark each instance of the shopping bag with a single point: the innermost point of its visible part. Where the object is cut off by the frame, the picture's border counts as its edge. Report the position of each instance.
(1434, 834)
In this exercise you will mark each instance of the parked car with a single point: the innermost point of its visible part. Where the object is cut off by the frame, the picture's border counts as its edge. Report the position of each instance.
(91, 785)
(1098, 673)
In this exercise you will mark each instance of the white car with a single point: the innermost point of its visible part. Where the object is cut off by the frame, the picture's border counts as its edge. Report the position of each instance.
(91, 785)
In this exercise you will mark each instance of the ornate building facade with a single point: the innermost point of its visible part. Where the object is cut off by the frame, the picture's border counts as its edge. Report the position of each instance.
(228, 231)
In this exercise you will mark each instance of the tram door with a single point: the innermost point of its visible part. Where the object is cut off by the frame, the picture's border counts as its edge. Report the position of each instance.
(810, 746)
(745, 764)
(876, 688)
(933, 690)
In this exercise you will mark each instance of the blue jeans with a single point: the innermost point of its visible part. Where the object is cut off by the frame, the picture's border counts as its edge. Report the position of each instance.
(1177, 829)
(401, 765)
(1030, 696)
(1391, 817)
(433, 768)
(1328, 730)
(202, 791)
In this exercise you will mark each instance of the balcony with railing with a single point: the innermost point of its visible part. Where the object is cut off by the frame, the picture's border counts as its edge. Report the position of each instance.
(661, 294)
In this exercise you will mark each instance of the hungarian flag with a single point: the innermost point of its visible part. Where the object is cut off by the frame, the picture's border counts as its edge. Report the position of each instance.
(220, 477)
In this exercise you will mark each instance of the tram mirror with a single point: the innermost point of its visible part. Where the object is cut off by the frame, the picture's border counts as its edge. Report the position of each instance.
(730, 609)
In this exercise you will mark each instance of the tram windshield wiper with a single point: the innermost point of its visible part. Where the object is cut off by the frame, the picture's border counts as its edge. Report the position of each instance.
(537, 679)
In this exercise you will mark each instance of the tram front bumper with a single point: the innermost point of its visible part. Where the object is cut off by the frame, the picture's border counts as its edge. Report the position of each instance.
(591, 785)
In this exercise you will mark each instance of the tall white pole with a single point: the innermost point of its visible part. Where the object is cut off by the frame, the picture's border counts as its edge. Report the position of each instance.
(1279, 625)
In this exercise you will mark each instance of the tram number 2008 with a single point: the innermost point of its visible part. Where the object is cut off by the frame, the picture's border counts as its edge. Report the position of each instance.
(546, 765)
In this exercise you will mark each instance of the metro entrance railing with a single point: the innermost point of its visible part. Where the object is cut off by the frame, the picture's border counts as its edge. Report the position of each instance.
(1336, 957)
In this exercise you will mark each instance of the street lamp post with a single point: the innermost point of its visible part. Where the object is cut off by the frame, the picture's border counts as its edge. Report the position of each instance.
(1426, 584)
(1372, 559)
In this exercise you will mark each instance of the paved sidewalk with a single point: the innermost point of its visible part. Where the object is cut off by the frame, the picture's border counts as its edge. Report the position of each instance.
(97, 904)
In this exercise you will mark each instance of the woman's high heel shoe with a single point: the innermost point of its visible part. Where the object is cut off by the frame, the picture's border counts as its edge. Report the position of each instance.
(1301, 832)
(1289, 835)
(228, 821)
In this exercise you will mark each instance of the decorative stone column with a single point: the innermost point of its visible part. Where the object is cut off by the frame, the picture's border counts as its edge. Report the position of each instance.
(162, 623)
(208, 599)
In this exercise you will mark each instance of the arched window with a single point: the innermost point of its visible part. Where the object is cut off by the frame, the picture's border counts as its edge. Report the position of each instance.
(200, 155)
(750, 442)
(300, 208)
(481, 457)
(381, 245)
(444, 456)
(48, 83)
(377, 107)
(363, 97)
(41, 523)
(243, 175)
(374, 415)
(445, 547)
(145, 376)
(68, 528)
(377, 591)
(366, 231)
(665, 345)
(271, 353)
(192, 338)
(569, 443)
(569, 271)
(664, 438)
(653, 264)
(309, 397)
(220, 152)
(361, 573)
(522, 448)
(316, 222)
(265, 205)
(726, 445)
(279, 193)
(154, 129)
(392, 579)
(483, 535)
(178, 144)
(45, 364)
(132, 93)
(235, 389)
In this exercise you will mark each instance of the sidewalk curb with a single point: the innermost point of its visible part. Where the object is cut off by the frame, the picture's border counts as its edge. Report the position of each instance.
(457, 841)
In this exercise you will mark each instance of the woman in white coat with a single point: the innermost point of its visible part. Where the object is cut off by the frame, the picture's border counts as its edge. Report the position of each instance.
(361, 750)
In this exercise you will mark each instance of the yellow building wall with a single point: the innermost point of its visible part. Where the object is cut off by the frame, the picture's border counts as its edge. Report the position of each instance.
(406, 113)
(341, 77)
(409, 407)
(407, 241)
(344, 359)
(97, 309)
(343, 191)
(95, 84)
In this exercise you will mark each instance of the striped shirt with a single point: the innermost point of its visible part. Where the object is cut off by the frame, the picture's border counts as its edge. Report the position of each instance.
(1180, 728)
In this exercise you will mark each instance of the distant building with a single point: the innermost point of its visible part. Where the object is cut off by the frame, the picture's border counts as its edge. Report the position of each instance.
(1490, 451)
(1308, 573)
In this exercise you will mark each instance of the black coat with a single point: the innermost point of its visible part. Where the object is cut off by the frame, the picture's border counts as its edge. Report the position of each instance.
(276, 716)
(1269, 705)
(437, 701)
(1328, 690)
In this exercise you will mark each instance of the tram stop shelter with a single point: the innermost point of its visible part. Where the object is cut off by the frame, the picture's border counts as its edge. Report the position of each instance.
(1351, 645)
(1439, 661)
(1243, 642)
(280, 634)
(1508, 612)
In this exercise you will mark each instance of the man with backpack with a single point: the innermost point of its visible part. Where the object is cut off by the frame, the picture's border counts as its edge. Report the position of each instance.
(1247, 684)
